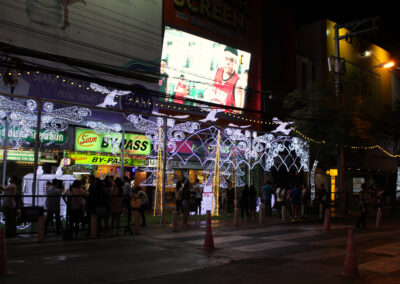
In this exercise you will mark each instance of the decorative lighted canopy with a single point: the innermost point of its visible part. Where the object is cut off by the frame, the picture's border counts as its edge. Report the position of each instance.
(23, 118)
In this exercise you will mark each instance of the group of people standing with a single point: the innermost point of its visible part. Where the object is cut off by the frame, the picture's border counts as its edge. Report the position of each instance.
(297, 200)
(188, 196)
(108, 199)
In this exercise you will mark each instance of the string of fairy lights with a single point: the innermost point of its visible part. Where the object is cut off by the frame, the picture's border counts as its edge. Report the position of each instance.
(235, 116)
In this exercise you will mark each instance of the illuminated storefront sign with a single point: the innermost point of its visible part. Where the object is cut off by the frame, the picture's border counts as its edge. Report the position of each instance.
(91, 159)
(27, 156)
(89, 141)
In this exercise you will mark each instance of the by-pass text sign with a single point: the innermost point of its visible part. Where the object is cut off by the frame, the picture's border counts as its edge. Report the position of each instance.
(90, 141)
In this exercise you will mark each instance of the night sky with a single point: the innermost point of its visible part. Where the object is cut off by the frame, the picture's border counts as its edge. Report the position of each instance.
(388, 34)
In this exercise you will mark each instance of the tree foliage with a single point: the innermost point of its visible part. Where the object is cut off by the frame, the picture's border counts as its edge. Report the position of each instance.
(322, 115)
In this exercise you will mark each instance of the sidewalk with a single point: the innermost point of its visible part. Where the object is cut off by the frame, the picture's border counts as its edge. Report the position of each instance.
(155, 229)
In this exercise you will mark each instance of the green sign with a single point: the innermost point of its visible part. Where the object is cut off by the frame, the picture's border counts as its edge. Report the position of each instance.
(16, 155)
(45, 137)
(89, 141)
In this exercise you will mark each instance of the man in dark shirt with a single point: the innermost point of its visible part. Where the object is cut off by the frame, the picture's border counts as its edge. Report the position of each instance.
(163, 81)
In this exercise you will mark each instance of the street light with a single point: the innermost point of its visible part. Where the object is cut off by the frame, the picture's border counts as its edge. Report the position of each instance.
(387, 65)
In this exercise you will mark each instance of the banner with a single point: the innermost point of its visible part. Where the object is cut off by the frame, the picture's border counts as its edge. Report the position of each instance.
(89, 141)
(92, 159)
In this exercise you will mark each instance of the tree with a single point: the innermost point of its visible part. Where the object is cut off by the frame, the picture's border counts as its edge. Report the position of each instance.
(335, 121)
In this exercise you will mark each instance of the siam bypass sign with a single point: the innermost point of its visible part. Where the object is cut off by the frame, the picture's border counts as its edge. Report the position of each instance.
(90, 141)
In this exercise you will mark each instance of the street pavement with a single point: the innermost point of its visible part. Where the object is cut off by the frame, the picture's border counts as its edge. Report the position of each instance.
(249, 253)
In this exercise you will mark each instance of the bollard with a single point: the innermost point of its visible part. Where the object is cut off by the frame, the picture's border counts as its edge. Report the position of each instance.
(174, 221)
(261, 213)
(284, 214)
(41, 229)
(185, 218)
(137, 223)
(236, 217)
(93, 226)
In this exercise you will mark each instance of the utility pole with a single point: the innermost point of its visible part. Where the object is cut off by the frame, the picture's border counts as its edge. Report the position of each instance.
(355, 29)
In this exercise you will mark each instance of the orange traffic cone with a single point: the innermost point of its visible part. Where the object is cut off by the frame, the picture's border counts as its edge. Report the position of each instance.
(327, 223)
(209, 240)
(378, 219)
(350, 261)
(3, 256)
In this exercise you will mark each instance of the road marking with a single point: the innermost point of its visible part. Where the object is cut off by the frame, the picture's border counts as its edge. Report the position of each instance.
(382, 265)
(264, 246)
(389, 249)
(320, 227)
(358, 238)
(331, 242)
(221, 240)
(318, 254)
(255, 231)
(180, 235)
(292, 235)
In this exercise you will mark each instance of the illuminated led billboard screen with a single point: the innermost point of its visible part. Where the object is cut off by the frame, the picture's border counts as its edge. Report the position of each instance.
(197, 68)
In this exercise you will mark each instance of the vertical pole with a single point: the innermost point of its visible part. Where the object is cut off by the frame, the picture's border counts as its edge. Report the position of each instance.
(3, 181)
(164, 173)
(36, 154)
(121, 175)
(251, 149)
(340, 154)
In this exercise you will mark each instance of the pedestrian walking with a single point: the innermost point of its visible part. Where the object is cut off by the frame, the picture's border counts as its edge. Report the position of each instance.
(280, 200)
(295, 197)
(363, 205)
(305, 201)
(322, 197)
(53, 204)
(230, 198)
(116, 204)
(186, 198)
(178, 197)
(379, 197)
(244, 201)
(268, 191)
(198, 196)
(9, 207)
(144, 204)
(252, 202)
(76, 206)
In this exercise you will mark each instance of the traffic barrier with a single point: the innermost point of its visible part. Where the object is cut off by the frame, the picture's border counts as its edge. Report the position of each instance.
(327, 223)
(261, 214)
(378, 224)
(137, 223)
(93, 226)
(3, 256)
(236, 217)
(174, 221)
(41, 229)
(209, 240)
(350, 261)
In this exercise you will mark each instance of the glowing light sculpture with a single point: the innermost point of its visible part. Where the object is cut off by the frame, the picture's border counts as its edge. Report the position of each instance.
(312, 179)
(216, 178)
